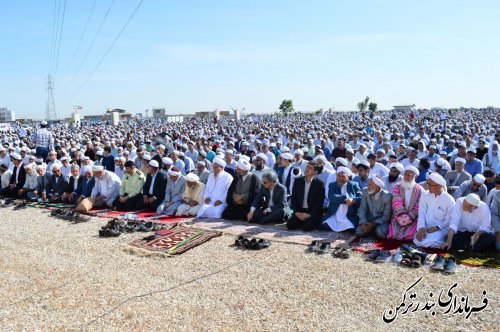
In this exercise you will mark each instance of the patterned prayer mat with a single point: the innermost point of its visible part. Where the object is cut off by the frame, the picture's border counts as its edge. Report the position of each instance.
(173, 241)
(277, 232)
(475, 259)
(51, 205)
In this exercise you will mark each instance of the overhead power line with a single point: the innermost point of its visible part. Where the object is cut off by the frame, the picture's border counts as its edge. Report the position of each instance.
(109, 48)
(60, 38)
(52, 48)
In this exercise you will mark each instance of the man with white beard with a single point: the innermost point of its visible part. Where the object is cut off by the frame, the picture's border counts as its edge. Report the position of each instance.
(405, 202)
(218, 183)
(434, 214)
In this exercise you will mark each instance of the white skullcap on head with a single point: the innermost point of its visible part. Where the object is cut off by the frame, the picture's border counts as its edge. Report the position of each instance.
(412, 169)
(377, 180)
(154, 163)
(97, 168)
(397, 166)
(322, 158)
(285, 149)
(479, 178)
(39, 167)
(341, 160)
(459, 160)
(245, 157)
(220, 162)
(344, 170)
(99, 153)
(438, 179)
(262, 156)
(191, 177)
(287, 156)
(167, 161)
(299, 152)
(86, 168)
(473, 199)
(440, 162)
(28, 166)
(244, 165)
(16, 156)
(56, 165)
(174, 171)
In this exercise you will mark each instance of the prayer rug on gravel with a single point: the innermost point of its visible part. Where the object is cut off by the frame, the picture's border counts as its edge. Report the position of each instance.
(173, 241)
(51, 206)
(475, 259)
(277, 232)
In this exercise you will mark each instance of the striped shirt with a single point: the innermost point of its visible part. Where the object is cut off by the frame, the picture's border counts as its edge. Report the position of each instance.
(42, 138)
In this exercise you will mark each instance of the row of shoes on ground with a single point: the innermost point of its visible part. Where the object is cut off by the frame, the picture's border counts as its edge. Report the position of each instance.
(323, 248)
(143, 226)
(7, 202)
(69, 215)
(251, 244)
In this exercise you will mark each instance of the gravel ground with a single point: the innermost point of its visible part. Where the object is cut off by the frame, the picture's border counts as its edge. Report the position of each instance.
(55, 276)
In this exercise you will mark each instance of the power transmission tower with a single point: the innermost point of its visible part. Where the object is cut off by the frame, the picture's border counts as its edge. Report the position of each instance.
(51, 106)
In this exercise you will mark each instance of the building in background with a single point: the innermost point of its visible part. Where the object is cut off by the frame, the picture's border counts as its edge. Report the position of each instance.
(7, 115)
(158, 112)
(404, 107)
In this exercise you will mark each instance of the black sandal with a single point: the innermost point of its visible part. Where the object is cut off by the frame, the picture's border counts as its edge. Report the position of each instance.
(324, 248)
(314, 246)
(240, 241)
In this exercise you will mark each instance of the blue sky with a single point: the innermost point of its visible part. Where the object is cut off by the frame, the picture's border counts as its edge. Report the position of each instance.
(192, 56)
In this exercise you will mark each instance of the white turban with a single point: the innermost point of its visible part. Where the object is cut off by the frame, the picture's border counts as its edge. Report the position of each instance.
(341, 160)
(97, 168)
(167, 161)
(86, 169)
(398, 166)
(479, 178)
(56, 165)
(287, 156)
(262, 156)
(473, 199)
(412, 169)
(244, 165)
(377, 180)
(344, 170)
(174, 171)
(220, 162)
(28, 166)
(191, 177)
(40, 167)
(438, 179)
(154, 163)
(245, 157)
(460, 160)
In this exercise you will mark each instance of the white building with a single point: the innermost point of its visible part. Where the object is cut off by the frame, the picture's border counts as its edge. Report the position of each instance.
(7, 115)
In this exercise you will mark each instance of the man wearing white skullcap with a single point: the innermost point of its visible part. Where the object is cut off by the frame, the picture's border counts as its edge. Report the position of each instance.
(395, 176)
(260, 165)
(17, 178)
(470, 226)
(31, 180)
(84, 189)
(214, 198)
(202, 171)
(106, 190)
(285, 171)
(344, 197)
(192, 198)
(474, 186)
(363, 174)
(241, 193)
(375, 209)
(299, 160)
(434, 213)
(56, 184)
(405, 198)
(455, 178)
(176, 185)
(153, 191)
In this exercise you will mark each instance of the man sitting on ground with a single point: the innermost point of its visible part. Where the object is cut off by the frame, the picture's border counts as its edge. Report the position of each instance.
(31, 181)
(176, 184)
(470, 226)
(241, 193)
(85, 187)
(270, 204)
(216, 189)
(375, 209)
(74, 181)
(457, 177)
(192, 196)
(434, 213)
(405, 198)
(474, 186)
(56, 185)
(395, 176)
(17, 178)
(106, 190)
(307, 200)
(130, 188)
(344, 197)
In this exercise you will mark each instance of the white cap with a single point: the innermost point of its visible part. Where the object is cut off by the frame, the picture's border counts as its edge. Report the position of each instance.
(191, 177)
(397, 166)
(459, 160)
(412, 169)
(219, 162)
(262, 156)
(97, 168)
(377, 180)
(167, 161)
(473, 199)
(342, 161)
(287, 156)
(344, 170)
(244, 165)
(16, 156)
(479, 178)
(154, 163)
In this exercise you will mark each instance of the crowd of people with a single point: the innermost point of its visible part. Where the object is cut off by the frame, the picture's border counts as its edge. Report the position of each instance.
(430, 176)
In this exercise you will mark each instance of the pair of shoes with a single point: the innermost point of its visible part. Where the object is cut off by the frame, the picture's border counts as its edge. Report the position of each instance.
(319, 247)
(448, 265)
(252, 244)
(379, 256)
(340, 252)
(411, 260)
(22, 205)
(7, 203)
(78, 218)
(144, 226)
(110, 232)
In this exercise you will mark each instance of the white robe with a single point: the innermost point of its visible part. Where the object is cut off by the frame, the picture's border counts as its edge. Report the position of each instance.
(216, 189)
(339, 222)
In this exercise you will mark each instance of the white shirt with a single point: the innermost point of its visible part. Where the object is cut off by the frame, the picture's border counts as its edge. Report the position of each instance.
(379, 169)
(31, 181)
(435, 210)
(285, 174)
(478, 219)
(108, 185)
(405, 162)
(306, 193)
(217, 187)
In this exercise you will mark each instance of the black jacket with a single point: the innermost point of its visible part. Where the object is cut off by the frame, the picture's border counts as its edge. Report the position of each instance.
(315, 198)
(159, 185)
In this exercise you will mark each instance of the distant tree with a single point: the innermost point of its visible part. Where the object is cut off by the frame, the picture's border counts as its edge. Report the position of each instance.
(363, 104)
(372, 107)
(286, 107)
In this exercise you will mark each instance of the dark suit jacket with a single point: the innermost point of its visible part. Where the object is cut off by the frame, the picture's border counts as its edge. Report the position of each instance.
(261, 201)
(71, 184)
(20, 179)
(42, 183)
(108, 163)
(254, 190)
(315, 198)
(56, 187)
(159, 185)
(336, 198)
(85, 186)
(288, 179)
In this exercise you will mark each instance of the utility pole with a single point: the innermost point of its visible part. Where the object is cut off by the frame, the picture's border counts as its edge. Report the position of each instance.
(51, 106)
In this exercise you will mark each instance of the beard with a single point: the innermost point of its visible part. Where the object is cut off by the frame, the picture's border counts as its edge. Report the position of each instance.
(392, 178)
(408, 184)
